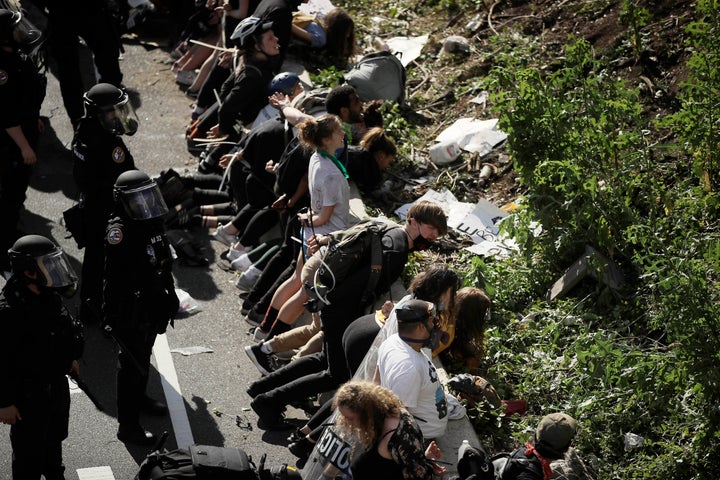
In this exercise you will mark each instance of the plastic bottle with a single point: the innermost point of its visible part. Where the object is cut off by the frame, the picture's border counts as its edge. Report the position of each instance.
(444, 152)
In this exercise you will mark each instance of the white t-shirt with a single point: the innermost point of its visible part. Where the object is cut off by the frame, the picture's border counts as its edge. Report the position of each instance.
(412, 376)
(328, 186)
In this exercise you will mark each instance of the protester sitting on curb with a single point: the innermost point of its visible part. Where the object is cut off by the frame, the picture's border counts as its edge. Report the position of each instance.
(390, 440)
(325, 371)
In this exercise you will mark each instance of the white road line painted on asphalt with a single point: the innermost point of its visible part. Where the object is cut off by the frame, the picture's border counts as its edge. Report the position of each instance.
(95, 473)
(173, 395)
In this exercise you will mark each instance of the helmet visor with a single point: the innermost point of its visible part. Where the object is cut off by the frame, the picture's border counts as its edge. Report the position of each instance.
(119, 119)
(144, 203)
(56, 269)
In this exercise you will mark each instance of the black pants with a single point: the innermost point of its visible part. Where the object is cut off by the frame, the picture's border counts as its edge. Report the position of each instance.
(100, 36)
(260, 197)
(132, 376)
(278, 269)
(213, 83)
(37, 438)
(14, 181)
(91, 281)
(345, 306)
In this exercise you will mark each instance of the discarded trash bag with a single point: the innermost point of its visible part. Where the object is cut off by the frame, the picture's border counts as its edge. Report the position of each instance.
(378, 76)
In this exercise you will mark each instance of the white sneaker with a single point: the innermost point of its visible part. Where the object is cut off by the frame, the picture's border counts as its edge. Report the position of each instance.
(259, 335)
(185, 77)
(245, 282)
(233, 253)
(222, 236)
(241, 263)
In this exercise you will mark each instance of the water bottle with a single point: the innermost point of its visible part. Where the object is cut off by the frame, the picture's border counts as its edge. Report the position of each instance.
(444, 152)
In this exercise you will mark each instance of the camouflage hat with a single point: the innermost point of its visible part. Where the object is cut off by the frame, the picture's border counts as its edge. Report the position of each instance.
(554, 434)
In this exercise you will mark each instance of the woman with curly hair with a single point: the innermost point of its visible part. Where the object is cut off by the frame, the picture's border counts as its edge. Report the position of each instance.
(391, 441)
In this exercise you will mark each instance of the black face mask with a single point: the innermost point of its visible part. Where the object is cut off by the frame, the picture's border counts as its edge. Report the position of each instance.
(421, 243)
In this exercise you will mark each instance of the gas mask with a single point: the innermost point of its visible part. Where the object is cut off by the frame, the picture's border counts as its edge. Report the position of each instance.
(420, 243)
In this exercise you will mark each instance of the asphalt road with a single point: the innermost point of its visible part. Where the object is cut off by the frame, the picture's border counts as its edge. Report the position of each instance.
(212, 384)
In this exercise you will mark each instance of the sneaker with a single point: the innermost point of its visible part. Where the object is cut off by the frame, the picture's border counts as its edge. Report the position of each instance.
(268, 417)
(234, 253)
(247, 279)
(259, 335)
(241, 263)
(254, 318)
(259, 358)
(222, 236)
(185, 77)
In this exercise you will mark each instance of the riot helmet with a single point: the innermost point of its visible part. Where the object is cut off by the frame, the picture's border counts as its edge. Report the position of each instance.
(139, 196)
(16, 29)
(248, 31)
(284, 82)
(46, 262)
(111, 107)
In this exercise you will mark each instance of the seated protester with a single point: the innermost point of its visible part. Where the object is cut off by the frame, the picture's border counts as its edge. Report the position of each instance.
(391, 444)
(244, 93)
(324, 371)
(334, 33)
(287, 83)
(407, 370)
(367, 162)
(549, 444)
(263, 144)
(280, 13)
(465, 335)
(437, 284)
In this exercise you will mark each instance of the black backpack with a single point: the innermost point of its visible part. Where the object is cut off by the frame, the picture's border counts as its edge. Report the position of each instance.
(359, 246)
(198, 462)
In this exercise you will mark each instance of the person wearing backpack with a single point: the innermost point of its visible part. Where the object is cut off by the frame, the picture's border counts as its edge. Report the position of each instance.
(346, 301)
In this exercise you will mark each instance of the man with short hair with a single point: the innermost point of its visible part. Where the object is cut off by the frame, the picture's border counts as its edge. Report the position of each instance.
(408, 371)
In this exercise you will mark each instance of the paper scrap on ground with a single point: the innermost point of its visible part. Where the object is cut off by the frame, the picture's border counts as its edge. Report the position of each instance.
(187, 303)
(186, 351)
(473, 135)
(408, 47)
(479, 221)
(95, 473)
(314, 7)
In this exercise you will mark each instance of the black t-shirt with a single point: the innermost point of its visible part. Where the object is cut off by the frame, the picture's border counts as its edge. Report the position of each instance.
(265, 142)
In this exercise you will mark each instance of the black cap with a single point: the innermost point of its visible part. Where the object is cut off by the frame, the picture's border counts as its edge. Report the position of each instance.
(415, 311)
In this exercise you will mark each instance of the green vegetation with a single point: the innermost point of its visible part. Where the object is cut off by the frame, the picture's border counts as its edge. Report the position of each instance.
(643, 359)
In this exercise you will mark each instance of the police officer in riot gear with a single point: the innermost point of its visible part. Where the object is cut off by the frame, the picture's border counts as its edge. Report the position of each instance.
(22, 90)
(139, 294)
(100, 156)
(39, 345)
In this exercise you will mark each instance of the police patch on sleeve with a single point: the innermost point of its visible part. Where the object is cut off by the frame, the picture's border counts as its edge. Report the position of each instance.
(114, 236)
(118, 155)
(3, 77)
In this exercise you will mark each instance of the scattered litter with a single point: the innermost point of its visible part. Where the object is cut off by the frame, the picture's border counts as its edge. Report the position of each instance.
(444, 153)
(187, 303)
(632, 440)
(407, 49)
(473, 135)
(481, 98)
(187, 351)
(314, 7)
(95, 473)
(455, 44)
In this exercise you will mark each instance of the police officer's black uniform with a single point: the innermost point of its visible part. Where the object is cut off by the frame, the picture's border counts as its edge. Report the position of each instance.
(139, 293)
(22, 90)
(39, 343)
(100, 156)
(90, 20)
